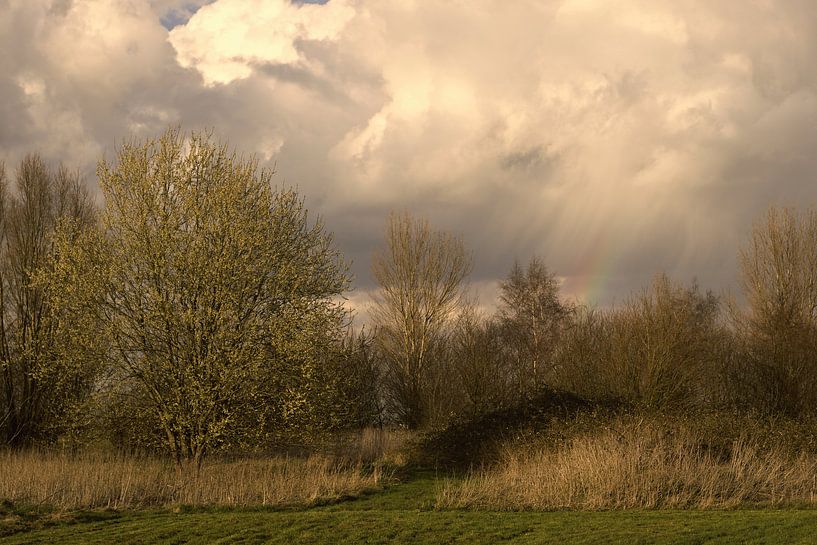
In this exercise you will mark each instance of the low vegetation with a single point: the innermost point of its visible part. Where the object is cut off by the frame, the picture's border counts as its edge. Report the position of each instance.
(402, 515)
(88, 481)
(353, 463)
(641, 465)
(466, 443)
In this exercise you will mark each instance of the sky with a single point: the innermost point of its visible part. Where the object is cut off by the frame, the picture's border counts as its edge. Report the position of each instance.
(613, 139)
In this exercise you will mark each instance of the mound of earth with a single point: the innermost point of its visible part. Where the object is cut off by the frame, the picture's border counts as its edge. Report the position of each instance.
(469, 442)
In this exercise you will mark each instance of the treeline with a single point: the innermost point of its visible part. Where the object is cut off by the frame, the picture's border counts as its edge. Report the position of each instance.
(669, 348)
(199, 310)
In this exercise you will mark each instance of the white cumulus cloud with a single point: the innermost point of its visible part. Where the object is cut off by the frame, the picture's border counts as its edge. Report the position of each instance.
(226, 39)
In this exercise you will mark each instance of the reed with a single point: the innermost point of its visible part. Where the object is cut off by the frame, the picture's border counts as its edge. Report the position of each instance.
(107, 480)
(640, 468)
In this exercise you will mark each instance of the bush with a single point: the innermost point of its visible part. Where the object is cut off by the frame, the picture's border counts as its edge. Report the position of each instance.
(663, 349)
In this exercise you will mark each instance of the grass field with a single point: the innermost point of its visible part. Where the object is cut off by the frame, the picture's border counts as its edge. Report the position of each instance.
(404, 513)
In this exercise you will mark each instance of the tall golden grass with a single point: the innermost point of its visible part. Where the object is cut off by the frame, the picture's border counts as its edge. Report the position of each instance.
(642, 467)
(105, 480)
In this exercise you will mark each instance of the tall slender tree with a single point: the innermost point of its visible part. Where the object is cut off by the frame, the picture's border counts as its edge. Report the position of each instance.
(421, 272)
(532, 318)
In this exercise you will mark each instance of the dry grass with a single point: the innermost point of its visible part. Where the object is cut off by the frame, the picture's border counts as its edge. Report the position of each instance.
(642, 467)
(95, 480)
(373, 445)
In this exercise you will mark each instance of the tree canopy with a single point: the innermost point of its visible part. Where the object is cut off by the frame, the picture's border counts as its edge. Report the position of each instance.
(216, 289)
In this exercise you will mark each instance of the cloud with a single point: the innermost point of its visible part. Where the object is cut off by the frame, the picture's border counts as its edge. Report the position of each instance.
(613, 140)
(224, 40)
(74, 76)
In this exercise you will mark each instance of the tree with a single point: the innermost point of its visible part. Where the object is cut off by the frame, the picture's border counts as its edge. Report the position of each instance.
(218, 291)
(532, 318)
(664, 344)
(421, 273)
(41, 379)
(665, 347)
(355, 382)
(582, 362)
(779, 280)
(479, 362)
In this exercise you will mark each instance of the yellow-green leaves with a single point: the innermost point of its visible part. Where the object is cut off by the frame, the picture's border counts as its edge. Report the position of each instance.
(43, 375)
(217, 287)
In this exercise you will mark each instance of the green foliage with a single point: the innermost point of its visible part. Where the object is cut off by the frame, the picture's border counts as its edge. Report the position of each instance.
(355, 379)
(373, 520)
(44, 379)
(217, 292)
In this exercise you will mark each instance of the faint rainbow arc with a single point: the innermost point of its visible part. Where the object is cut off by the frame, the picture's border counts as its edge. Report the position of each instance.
(593, 272)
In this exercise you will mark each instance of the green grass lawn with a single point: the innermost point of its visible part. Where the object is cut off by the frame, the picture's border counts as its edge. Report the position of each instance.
(403, 514)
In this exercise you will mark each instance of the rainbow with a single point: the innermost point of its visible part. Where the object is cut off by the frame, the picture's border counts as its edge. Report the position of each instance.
(593, 272)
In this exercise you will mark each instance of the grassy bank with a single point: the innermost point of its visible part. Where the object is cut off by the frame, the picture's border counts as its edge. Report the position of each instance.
(640, 467)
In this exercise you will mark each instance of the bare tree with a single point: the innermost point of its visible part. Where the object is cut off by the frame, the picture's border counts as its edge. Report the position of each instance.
(421, 273)
(582, 362)
(663, 348)
(480, 364)
(664, 343)
(779, 280)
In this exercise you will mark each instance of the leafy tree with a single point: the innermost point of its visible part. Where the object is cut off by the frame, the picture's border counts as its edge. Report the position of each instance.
(532, 318)
(340, 394)
(421, 273)
(219, 294)
(358, 379)
(42, 377)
